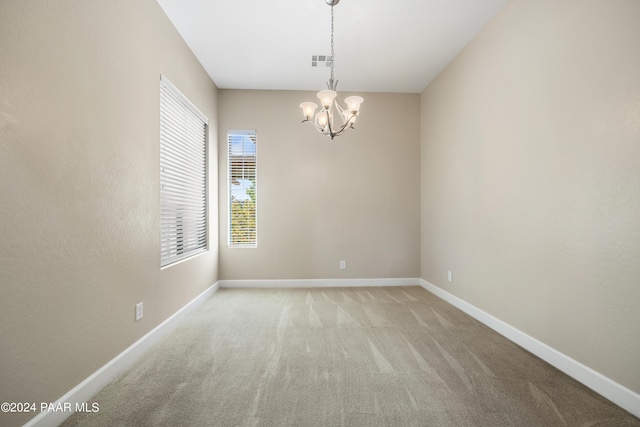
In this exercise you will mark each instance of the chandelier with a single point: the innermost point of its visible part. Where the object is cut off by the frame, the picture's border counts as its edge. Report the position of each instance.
(323, 120)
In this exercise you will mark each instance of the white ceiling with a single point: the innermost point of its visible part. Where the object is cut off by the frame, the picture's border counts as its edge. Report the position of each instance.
(380, 46)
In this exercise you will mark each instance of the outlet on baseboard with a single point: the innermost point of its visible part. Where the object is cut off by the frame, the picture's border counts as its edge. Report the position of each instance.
(138, 311)
(343, 265)
(450, 276)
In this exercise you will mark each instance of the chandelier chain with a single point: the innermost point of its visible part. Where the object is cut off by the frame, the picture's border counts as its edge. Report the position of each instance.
(333, 55)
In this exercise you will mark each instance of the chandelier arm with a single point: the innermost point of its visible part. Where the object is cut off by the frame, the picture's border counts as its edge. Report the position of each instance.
(328, 130)
(341, 111)
(329, 120)
(344, 128)
(318, 128)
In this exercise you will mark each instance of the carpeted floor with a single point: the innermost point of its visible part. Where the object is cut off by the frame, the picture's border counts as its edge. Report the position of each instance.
(395, 356)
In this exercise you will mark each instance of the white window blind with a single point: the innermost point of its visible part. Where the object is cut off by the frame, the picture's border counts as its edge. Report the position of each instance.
(242, 188)
(183, 176)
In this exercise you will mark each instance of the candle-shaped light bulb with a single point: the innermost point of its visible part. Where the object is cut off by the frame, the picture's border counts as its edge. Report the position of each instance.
(326, 98)
(322, 119)
(308, 109)
(353, 104)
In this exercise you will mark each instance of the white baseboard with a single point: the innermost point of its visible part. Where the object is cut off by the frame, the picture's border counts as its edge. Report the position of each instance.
(84, 391)
(318, 283)
(618, 394)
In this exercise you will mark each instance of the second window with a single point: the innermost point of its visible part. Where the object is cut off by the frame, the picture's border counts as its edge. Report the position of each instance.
(243, 194)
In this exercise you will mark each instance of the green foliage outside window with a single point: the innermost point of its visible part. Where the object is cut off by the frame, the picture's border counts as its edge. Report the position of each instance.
(243, 218)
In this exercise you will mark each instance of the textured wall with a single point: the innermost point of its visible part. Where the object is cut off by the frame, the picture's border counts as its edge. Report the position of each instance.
(531, 177)
(355, 198)
(79, 188)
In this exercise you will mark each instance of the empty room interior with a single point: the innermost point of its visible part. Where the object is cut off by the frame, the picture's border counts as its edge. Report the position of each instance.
(465, 253)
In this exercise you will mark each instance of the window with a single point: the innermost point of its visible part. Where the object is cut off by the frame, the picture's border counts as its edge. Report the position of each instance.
(242, 188)
(183, 176)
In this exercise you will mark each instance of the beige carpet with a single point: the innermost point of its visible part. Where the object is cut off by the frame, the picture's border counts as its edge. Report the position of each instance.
(395, 356)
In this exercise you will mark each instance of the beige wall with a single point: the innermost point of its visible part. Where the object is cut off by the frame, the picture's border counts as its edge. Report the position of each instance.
(531, 177)
(355, 198)
(79, 188)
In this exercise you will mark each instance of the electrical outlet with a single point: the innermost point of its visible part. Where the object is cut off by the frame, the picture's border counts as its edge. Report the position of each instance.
(343, 265)
(138, 311)
(450, 276)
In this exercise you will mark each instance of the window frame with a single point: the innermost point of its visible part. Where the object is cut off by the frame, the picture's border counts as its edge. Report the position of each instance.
(252, 134)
